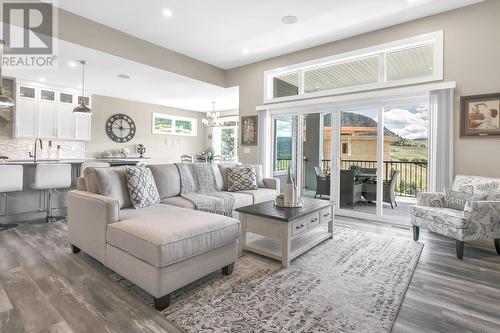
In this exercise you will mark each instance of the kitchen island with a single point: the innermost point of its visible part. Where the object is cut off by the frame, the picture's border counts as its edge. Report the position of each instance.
(30, 204)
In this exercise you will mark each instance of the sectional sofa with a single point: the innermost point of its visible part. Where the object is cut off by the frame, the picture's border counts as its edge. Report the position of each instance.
(163, 247)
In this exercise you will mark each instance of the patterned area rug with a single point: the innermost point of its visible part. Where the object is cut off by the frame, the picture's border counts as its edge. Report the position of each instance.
(352, 283)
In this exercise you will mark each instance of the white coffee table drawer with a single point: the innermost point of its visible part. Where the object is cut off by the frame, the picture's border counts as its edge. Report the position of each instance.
(313, 220)
(299, 226)
(325, 215)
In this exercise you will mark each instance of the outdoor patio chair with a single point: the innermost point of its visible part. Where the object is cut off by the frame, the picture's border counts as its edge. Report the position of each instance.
(322, 183)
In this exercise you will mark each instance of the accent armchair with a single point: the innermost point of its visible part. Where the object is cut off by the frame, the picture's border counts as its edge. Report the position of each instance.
(480, 220)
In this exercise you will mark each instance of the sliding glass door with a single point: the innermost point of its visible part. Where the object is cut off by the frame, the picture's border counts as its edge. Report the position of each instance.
(358, 150)
(382, 159)
(286, 148)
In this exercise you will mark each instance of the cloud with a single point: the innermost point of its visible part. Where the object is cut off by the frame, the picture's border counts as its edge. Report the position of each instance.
(407, 124)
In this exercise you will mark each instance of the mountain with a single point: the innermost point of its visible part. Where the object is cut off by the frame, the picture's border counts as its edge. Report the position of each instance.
(350, 119)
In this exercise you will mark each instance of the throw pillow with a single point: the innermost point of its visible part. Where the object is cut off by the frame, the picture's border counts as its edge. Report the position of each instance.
(457, 200)
(258, 172)
(142, 187)
(243, 178)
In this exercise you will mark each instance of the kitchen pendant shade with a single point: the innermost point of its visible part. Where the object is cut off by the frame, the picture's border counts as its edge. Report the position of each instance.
(82, 108)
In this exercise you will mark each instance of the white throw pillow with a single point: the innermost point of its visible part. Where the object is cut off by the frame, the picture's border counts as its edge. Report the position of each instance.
(242, 178)
(142, 187)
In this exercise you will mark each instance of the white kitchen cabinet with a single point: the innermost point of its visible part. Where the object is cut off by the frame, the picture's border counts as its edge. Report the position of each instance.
(82, 127)
(26, 125)
(48, 114)
(66, 122)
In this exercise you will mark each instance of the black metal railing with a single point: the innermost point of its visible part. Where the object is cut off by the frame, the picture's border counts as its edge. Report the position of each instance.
(412, 175)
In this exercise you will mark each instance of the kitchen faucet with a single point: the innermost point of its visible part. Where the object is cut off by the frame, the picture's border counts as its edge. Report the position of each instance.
(36, 144)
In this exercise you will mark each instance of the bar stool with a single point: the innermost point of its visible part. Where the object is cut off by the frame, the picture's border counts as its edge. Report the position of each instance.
(11, 180)
(50, 178)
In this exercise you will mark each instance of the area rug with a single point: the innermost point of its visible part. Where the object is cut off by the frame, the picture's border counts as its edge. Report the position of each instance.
(354, 282)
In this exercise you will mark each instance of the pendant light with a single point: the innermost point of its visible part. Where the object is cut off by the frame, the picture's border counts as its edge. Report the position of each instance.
(5, 101)
(82, 108)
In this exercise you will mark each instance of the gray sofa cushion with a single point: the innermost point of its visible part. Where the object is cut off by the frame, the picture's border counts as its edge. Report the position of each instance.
(112, 182)
(162, 235)
(167, 178)
(241, 199)
(91, 180)
(261, 195)
(178, 202)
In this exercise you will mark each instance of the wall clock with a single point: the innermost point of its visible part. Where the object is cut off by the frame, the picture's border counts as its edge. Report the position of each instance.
(120, 128)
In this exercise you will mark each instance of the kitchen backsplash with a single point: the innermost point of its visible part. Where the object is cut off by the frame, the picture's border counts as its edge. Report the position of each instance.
(16, 149)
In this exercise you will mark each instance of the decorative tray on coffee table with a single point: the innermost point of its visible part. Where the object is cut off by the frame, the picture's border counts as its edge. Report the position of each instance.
(298, 204)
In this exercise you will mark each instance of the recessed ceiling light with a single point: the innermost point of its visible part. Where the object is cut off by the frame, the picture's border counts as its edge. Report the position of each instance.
(124, 76)
(289, 19)
(244, 51)
(167, 12)
(42, 79)
(72, 64)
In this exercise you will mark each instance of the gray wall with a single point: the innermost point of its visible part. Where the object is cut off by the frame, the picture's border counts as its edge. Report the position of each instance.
(103, 107)
(471, 58)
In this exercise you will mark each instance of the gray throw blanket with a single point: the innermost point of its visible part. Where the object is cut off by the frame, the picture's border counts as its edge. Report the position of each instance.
(198, 185)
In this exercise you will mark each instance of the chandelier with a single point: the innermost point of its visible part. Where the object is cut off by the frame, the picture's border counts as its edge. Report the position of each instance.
(213, 118)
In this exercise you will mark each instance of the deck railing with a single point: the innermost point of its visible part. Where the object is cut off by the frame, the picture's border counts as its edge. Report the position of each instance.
(412, 175)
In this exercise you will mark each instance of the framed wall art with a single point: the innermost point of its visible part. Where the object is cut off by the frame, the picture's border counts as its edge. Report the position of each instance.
(249, 127)
(480, 115)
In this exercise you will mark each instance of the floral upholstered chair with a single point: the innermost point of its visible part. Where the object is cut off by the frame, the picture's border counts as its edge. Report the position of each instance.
(478, 220)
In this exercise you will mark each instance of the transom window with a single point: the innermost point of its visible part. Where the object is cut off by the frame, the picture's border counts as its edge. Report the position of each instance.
(408, 61)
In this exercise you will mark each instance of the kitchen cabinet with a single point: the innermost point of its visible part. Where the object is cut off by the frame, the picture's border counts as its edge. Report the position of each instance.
(48, 113)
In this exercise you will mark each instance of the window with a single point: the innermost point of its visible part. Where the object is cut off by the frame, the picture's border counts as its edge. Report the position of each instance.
(47, 95)
(229, 136)
(173, 125)
(345, 148)
(408, 61)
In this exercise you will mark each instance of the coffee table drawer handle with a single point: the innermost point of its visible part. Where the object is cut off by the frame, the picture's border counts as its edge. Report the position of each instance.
(326, 214)
(314, 219)
(299, 227)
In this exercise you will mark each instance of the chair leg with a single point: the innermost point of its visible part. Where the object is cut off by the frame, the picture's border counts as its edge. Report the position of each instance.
(460, 249)
(416, 233)
(228, 270)
(161, 303)
(315, 194)
(392, 207)
(395, 203)
(497, 245)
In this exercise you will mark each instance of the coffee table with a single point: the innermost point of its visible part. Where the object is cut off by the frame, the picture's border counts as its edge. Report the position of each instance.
(285, 233)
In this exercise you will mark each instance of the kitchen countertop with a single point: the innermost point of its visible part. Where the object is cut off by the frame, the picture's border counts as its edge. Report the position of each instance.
(74, 161)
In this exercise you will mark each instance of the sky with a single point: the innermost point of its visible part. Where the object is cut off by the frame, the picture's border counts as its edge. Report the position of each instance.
(408, 122)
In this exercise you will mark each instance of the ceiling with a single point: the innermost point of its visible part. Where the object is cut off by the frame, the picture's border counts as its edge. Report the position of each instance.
(146, 84)
(231, 33)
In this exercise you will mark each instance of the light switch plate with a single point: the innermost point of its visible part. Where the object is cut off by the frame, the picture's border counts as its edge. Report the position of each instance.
(246, 150)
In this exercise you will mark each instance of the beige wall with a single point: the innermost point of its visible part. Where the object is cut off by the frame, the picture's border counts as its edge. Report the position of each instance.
(103, 107)
(472, 59)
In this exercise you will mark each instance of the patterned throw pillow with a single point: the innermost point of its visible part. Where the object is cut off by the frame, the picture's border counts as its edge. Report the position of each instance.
(457, 200)
(142, 187)
(242, 178)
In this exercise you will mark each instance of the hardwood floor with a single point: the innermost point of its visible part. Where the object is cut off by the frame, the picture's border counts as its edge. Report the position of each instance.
(46, 288)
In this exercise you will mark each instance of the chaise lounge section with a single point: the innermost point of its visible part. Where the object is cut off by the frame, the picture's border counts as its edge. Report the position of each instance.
(162, 247)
